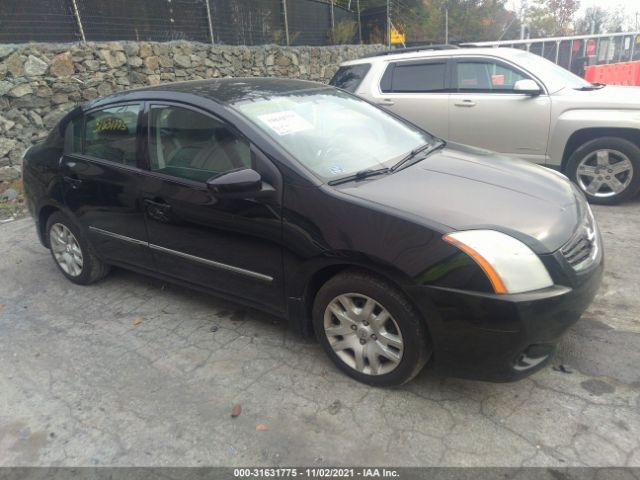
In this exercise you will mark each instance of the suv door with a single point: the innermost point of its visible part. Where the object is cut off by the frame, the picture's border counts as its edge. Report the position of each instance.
(232, 246)
(486, 112)
(418, 90)
(101, 179)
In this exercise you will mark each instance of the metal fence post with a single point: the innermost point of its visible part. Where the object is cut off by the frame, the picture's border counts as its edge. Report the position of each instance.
(286, 21)
(333, 18)
(388, 25)
(359, 22)
(76, 14)
(210, 22)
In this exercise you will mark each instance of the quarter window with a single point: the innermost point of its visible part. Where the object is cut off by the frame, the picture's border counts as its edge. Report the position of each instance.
(194, 146)
(414, 78)
(110, 134)
(486, 76)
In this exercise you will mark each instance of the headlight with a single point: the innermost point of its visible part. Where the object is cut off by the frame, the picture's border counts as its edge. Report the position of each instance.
(509, 264)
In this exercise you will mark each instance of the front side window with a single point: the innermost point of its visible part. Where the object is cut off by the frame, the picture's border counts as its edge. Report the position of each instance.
(190, 145)
(333, 133)
(110, 134)
(414, 78)
(486, 76)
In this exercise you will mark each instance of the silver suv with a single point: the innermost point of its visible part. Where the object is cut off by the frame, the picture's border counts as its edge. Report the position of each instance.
(515, 103)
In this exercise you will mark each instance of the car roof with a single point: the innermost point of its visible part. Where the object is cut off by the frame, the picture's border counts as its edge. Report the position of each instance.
(220, 90)
(502, 52)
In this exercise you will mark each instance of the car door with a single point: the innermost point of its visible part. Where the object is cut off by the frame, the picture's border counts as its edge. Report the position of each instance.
(101, 178)
(418, 91)
(485, 111)
(232, 246)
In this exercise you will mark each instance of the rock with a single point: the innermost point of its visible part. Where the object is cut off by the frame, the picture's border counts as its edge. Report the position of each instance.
(113, 59)
(5, 87)
(6, 145)
(135, 61)
(44, 91)
(35, 118)
(131, 49)
(62, 65)
(270, 60)
(5, 51)
(9, 194)
(154, 79)
(9, 173)
(34, 66)
(104, 89)
(51, 118)
(235, 411)
(21, 90)
(59, 98)
(93, 65)
(182, 61)
(165, 61)
(152, 63)
(6, 124)
(145, 50)
(14, 65)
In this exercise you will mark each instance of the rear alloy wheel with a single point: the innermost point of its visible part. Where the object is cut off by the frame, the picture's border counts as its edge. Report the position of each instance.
(71, 251)
(607, 170)
(369, 329)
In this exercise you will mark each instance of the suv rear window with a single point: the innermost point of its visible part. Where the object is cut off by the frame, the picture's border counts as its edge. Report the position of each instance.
(349, 78)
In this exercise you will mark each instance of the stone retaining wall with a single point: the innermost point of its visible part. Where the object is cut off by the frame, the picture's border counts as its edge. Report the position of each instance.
(41, 82)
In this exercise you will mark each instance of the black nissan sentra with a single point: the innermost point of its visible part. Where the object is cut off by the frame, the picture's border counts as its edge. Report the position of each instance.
(299, 199)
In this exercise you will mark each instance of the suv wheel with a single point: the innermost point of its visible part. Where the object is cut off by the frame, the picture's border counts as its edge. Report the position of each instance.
(370, 330)
(71, 251)
(606, 169)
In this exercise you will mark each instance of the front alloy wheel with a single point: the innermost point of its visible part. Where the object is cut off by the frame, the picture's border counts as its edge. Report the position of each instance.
(606, 169)
(604, 173)
(363, 334)
(370, 329)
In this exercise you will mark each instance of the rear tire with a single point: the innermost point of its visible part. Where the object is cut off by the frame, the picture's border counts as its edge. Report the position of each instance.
(606, 169)
(370, 330)
(71, 251)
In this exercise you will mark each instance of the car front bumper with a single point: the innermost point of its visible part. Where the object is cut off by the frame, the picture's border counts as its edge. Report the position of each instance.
(502, 338)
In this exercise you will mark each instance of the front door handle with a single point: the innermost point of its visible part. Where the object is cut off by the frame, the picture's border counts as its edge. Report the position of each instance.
(465, 103)
(158, 210)
(75, 182)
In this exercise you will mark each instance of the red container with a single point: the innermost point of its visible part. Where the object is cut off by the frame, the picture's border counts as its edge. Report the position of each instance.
(627, 73)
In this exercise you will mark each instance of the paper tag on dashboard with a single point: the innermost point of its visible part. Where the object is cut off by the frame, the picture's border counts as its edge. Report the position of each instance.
(284, 123)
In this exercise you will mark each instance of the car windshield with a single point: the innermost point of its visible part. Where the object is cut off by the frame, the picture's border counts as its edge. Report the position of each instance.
(555, 77)
(332, 133)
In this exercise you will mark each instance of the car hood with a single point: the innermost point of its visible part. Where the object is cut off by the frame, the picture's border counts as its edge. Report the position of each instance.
(610, 96)
(461, 187)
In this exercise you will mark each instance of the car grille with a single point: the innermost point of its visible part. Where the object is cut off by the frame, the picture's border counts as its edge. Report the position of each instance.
(582, 250)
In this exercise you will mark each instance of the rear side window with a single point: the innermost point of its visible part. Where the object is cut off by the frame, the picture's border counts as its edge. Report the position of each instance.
(414, 78)
(350, 78)
(110, 134)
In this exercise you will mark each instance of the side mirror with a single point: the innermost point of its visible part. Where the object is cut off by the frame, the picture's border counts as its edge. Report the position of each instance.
(528, 87)
(236, 183)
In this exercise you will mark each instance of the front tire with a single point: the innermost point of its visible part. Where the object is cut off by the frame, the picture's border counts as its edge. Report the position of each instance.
(370, 330)
(71, 251)
(606, 169)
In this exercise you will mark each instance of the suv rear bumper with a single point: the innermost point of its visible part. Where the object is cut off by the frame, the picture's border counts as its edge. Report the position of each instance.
(501, 338)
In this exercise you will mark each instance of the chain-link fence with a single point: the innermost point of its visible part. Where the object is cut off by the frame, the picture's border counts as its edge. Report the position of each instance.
(231, 22)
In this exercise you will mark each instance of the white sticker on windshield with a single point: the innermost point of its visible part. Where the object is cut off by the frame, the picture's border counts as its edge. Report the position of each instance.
(284, 123)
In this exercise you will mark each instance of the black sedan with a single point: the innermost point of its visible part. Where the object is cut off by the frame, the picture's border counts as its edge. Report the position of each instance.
(393, 247)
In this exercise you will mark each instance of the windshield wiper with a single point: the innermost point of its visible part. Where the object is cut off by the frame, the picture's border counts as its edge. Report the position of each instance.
(427, 148)
(593, 86)
(361, 175)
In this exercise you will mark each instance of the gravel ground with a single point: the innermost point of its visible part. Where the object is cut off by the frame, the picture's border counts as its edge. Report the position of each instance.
(132, 371)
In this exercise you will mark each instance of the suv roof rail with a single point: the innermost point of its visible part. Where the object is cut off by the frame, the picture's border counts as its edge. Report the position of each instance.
(443, 46)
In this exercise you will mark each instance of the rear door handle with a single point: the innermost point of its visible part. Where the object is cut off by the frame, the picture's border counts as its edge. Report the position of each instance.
(158, 210)
(75, 182)
(385, 103)
(465, 103)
